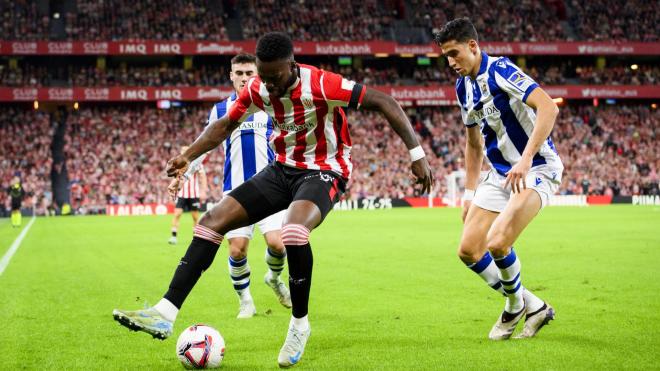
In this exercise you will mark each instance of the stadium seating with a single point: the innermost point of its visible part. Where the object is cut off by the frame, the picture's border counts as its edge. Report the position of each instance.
(117, 154)
(394, 74)
(25, 138)
(339, 20)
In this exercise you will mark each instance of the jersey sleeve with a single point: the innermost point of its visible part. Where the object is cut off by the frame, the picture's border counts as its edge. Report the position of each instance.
(461, 97)
(244, 105)
(340, 91)
(512, 79)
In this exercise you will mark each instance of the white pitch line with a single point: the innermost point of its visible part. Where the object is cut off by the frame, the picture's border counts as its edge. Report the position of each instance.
(14, 246)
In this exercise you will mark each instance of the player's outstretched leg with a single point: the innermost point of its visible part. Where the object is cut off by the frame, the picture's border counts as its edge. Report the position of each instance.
(275, 256)
(300, 259)
(158, 320)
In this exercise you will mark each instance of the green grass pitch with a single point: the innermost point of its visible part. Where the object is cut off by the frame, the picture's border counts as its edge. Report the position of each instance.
(388, 293)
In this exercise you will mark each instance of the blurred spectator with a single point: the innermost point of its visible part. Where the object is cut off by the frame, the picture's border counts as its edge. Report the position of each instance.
(306, 20)
(340, 20)
(608, 20)
(495, 20)
(25, 137)
(146, 20)
(117, 154)
(20, 20)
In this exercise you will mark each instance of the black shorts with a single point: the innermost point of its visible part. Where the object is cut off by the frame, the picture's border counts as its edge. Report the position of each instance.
(277, 186)
(16, 204)
(188, 204)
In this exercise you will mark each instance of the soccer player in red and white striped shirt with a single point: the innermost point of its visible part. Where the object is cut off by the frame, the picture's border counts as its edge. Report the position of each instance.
(189, 198)
(312, 164)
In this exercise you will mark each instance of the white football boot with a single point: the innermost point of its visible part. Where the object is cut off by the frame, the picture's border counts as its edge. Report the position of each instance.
(536, 320)
(279, 288)
(505, 325)
(293, 348)
(246, 308)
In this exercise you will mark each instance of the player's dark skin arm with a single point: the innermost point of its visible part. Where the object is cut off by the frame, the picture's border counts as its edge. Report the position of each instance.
(213, 135)
(375, 100)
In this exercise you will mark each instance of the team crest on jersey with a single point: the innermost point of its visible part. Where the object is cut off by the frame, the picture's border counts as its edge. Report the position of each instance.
(307, 102)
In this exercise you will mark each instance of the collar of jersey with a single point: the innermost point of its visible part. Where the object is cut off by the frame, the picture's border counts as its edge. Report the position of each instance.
(484, 63)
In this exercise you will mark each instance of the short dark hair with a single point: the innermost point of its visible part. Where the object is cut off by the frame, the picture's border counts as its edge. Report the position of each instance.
(274, 46)
(243, 58)
(460, 29)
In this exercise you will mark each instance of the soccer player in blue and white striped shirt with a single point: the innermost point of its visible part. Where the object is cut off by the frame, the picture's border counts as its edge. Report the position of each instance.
(247, 151)
(508, 118)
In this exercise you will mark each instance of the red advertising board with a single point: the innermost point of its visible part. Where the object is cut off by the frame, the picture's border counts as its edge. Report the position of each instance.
(419, 95)
(141, 209)
(157, 47)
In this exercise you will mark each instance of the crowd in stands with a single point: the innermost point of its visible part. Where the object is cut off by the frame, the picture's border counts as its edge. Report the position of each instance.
(611, 150)
(117, 154)
(495, 20)
(607, 20)
(340, 20)
(20, 20)
(146, 20)
(25, 138)
(307, 20)
(212, 75)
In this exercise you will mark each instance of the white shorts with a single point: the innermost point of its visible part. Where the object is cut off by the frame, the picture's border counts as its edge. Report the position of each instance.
(267, 224)
(491, 194)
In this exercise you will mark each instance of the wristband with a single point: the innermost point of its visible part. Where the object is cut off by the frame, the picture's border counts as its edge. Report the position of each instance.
(468, 195)
(417, 153)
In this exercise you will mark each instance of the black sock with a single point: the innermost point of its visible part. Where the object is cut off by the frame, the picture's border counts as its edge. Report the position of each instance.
(197, 259)
(300, 261)
(173, 233)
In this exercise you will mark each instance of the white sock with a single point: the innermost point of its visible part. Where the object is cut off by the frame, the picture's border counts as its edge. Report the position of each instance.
(488, 271)
(300, 324)
(166, 309)
(510, 272)
(245, 295)
(532, 301)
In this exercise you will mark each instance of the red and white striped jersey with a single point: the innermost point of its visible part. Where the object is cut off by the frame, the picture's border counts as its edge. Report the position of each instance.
(310, 127)
(190, 186)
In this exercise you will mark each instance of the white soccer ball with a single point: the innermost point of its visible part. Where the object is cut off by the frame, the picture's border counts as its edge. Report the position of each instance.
(200, 346)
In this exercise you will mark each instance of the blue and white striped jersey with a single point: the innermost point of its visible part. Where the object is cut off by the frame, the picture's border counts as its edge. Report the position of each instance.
(247, 149)
(495, 101)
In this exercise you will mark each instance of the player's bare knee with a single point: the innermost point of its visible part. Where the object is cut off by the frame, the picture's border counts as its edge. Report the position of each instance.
(498, 245)
(275, 243)
(238, 249)
(468, 254)
(295, 235)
